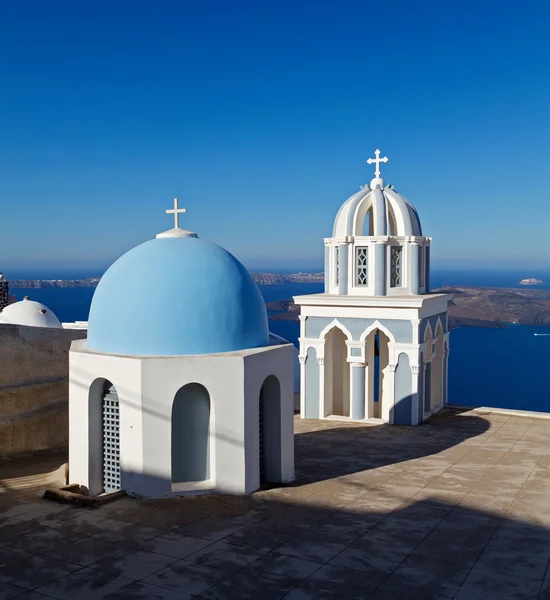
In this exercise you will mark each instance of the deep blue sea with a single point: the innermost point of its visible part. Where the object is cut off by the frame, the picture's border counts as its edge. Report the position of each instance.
(505, 368)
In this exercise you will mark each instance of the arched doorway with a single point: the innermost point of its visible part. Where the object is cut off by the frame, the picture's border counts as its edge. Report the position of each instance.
(269, 427)
(337, 374)
(110, 438)
(191, 434)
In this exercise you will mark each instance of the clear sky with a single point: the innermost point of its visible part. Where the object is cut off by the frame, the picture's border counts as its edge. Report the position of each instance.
(260, 116)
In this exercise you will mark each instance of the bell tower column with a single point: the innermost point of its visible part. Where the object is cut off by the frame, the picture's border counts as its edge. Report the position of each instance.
(343, 269)
(380, 269)
(414, 250)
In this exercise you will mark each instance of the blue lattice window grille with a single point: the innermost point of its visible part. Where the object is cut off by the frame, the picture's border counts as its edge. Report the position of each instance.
(337, 264)
(361, 266)
(396, 255)
(111, 441)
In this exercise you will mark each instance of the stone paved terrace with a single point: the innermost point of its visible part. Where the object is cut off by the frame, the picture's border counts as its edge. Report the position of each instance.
(456, 508)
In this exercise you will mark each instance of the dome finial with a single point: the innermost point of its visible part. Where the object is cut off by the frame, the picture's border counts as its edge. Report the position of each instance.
(377, 162)
(175, 211)
(176, 232)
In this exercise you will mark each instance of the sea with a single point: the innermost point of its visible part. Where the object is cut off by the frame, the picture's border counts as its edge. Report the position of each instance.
(501, 368)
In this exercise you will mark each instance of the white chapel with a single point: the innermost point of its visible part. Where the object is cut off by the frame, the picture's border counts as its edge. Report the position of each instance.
(177, 389)
(375, 344)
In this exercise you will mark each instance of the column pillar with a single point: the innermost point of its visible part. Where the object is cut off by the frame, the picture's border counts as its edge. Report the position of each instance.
(388, 395)
(416, 416)
(302, 360)
(327, 268)
(415, 268)
(380, 269)
(343, 269)
(427, 267)
(321, 361)
(357, 404)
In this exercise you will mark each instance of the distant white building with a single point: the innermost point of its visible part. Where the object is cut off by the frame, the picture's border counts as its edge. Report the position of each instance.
(375, 344)
(177, 389)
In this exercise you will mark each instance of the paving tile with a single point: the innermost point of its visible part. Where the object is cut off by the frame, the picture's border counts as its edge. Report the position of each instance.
(481, 585)
(396, 587)
(190, 578)
(433, 571)
(175, 544)
(145, 591)
(86, 584)
(312, 547)
(35, 571)
(301, 593)
(225, 556)
(512, 562)
(85, 552)
(217, 529)
(128, 535)
(243, 586)
(337, 579)
(360, 555)
(9, 554)
(40, 539)
(134, 563)
(280, 568)
(9, 591)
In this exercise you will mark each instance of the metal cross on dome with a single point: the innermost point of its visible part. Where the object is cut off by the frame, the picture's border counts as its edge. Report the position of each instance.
(176, 211)
(377, 161)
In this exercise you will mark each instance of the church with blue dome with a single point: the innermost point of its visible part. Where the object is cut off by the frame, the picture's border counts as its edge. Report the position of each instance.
(178, 388)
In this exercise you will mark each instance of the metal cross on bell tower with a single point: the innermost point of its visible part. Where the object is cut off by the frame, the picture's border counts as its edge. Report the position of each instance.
(377, 162)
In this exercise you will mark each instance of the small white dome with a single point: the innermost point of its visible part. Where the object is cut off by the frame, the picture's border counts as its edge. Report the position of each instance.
(30, 313)
(389, 213)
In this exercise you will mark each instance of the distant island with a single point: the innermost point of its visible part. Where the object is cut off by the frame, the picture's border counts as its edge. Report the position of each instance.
(531, 281)
(471, 307)
(262, 278)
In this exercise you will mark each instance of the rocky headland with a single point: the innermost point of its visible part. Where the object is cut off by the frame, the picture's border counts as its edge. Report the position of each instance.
(471, 307)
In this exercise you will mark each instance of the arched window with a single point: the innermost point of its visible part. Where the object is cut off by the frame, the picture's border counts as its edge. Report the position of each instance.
(191, 434)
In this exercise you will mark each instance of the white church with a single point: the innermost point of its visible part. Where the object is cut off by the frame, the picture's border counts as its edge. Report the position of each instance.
(375, 345)
(178, 389)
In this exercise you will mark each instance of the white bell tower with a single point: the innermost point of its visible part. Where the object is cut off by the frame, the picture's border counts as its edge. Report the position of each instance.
(375, 344)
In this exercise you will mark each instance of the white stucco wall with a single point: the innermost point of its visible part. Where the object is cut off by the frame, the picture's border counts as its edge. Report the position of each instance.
(146, 387)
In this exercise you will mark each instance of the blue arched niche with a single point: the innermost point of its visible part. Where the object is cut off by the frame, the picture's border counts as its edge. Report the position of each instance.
(191, 434)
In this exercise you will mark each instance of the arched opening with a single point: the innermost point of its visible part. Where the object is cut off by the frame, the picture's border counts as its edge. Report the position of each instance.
(270, 430)
(191, 434)
(378, 353)
(337, 374)
(368, 223)
(403, 391)
(110, 438)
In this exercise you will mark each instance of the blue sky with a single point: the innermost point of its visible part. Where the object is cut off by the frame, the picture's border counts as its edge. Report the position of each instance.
(260, 116)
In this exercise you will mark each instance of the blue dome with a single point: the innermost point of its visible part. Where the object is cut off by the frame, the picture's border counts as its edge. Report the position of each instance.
(177, 295)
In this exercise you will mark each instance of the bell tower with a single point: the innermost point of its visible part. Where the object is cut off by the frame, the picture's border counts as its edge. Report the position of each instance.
(375, 344)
